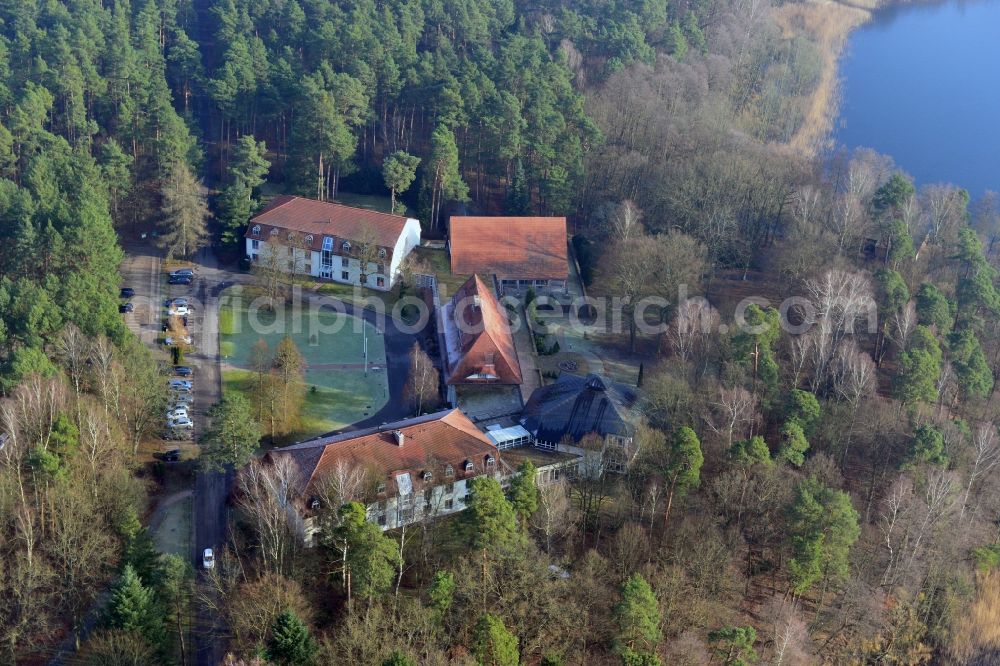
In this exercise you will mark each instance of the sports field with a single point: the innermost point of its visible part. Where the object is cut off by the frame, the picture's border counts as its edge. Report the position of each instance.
(339, 391)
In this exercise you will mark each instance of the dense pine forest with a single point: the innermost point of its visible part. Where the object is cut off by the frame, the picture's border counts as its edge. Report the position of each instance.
(823, 495)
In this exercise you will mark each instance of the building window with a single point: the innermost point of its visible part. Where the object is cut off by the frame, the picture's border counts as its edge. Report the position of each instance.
(449, 504)
(255, 245)
(345, 262)
(344, 275)
(381, 520)
(380, 488)
(327, 243)
(381, 253)
(274, 232)
(427, 495)
(309, 238)
(467, 498)
(449, 471)
(470, 466)
(346, 246)
(256, 230)
(490, 462)
(450, 488)
(381, 505)
(380, 282)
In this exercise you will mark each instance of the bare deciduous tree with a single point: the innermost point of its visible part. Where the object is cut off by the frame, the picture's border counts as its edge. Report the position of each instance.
(985, 456)
(556, 517)
(734, 413)
(424, 385)
(693, 326)
(266, 493)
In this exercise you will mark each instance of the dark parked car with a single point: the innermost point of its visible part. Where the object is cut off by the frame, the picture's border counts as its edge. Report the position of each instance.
(127, 292)
(126, 307)
(173, 455)
(182, 272)
(180, 279)
(182, 371)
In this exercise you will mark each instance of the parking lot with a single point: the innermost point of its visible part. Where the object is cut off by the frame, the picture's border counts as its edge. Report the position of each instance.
(151, 320)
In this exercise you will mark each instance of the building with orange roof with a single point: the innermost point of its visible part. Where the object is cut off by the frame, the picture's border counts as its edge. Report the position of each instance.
(326, 240)
(479, 347)
(414, 470)
(521, 252)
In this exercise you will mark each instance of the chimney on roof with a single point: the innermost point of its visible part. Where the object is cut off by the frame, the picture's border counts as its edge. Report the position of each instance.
(400, 437)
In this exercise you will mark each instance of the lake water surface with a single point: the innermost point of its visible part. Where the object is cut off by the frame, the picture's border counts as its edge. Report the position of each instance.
(921, 83)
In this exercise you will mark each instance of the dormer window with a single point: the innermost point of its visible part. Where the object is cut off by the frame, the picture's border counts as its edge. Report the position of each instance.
(490, 462)
(256, 230)
(380, 488)
(309, 238)
(274, 232)
(314, 504)
(346, 246)
(426, 476)
(381, 253)
(470, 466)
(449, 471)
(327, 244)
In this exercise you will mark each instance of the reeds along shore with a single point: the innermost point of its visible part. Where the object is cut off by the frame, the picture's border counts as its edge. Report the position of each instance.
(828, 24)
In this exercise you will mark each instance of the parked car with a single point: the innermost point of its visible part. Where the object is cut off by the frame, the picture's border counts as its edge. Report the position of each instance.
(173, 455)
(181, 399)
(176, 302)
(208, 559)
(178, 391)
(182, 272)
(125, 308)
(180, 279)
(181, 383)
(127, 292)
(184, 422)
(178, 310)
(183, 370)
(172, 342)
(178, 412)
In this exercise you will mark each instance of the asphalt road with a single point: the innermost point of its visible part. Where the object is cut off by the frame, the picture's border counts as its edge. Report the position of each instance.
(143, 272)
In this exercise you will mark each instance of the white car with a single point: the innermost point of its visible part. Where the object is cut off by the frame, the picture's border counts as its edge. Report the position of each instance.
(179, 310)
(208, 559)
(181, 384)
(184, 422)
(183, 339)
(177, 412)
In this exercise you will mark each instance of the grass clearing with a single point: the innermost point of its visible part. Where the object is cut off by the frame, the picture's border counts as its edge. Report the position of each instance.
(437, 262)
(173, 535)
(339, 392)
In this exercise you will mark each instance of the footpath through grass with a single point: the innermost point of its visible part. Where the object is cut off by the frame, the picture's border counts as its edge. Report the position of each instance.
(338, 391)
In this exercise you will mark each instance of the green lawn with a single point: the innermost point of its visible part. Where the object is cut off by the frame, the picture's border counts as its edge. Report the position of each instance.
(339, 393)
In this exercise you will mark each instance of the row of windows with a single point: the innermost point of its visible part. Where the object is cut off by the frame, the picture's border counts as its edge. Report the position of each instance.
(449, 471)
(327, 240)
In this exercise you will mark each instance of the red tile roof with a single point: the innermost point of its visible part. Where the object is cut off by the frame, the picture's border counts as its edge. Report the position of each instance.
(525, 248)
(309, 217)
(430, 444)
(479, 327)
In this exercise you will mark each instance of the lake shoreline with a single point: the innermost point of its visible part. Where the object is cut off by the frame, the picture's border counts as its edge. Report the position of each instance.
(828, 24)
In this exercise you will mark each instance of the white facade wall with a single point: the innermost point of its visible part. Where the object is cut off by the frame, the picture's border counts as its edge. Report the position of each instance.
(338, 268)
